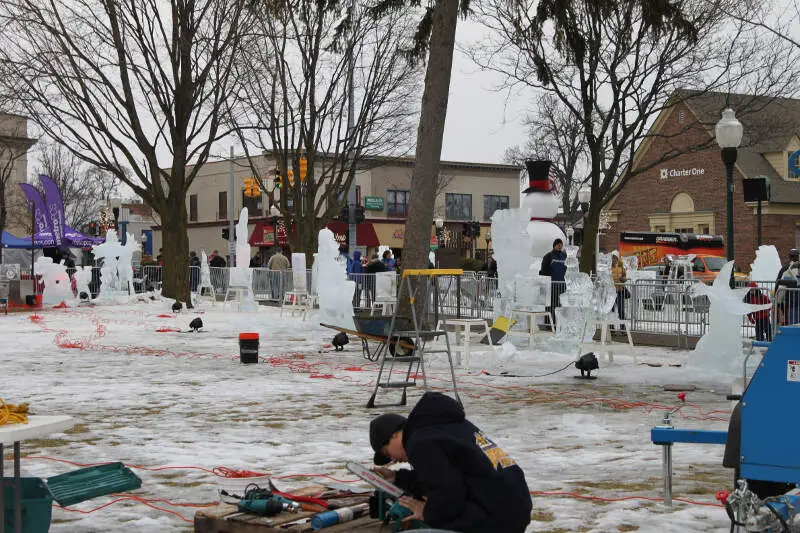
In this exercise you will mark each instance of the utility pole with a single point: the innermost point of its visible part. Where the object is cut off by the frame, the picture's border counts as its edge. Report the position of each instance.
(351, 192)
(231, 224)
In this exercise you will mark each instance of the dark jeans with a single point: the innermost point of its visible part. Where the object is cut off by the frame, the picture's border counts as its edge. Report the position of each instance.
(763, 329)
(620, 303)
(557, 288)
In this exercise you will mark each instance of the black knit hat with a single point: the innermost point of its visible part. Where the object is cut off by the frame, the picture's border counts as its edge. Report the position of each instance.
(381, 430)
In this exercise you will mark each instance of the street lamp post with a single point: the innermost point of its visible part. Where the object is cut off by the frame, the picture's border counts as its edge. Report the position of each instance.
(729, 137)
(584, 197)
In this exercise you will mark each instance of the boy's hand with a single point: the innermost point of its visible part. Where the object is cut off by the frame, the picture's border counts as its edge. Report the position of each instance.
(417, 507)
(386, 473)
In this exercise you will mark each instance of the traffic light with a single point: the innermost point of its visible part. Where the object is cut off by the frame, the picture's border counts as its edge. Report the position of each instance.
(93, 227)
(290, 177)
(251, 188)
(466, 229)
(476, 228)
(278, 179)
(303, 168)
(226, 234)
(344, 214)
(360, 214)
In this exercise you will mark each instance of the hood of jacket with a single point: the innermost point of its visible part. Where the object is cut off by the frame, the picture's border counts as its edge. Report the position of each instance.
(433, 409)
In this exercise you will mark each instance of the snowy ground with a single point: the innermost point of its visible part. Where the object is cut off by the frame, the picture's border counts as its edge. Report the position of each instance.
(160, 399)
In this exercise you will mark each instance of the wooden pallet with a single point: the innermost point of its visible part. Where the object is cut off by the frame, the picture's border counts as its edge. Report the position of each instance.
(226, 518)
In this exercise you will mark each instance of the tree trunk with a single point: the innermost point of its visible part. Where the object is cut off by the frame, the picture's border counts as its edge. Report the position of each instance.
(429, 135)
(3, 215)
(591, 225)
(175, 278)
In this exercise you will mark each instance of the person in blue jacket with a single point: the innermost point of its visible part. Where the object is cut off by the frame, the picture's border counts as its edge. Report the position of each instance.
(357, 275)
(389, 261)
(461, 480)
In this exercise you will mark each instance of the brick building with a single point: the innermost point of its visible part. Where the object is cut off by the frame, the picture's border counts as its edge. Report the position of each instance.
(687, 193)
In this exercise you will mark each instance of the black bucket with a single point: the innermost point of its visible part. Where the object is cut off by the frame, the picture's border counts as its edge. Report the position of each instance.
(248, 348)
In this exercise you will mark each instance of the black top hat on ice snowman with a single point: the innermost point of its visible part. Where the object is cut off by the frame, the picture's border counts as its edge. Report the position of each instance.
(539, 179)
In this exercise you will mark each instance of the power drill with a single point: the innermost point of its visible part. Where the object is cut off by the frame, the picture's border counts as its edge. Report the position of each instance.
(264, 503)
(384, 507)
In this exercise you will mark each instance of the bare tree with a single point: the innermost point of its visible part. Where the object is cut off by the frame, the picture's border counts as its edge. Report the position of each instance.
(84, 188)
(555, 134)
(135, 86)
(321, 83)
(616, 65)
(14, 144)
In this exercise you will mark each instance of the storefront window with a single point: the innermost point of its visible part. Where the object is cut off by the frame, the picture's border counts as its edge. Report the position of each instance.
(397, 203)
(458, 206)
(492, 203)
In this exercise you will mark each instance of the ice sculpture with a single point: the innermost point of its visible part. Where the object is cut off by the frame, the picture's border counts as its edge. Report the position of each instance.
(335, 290)
(241, 275)
(510, 243)
(57, 286)
(720, 348)
(83, 277)
(205, 270)
(125, 264)
(542, 203)
(299, 280)
(108, 251)
(766, 266)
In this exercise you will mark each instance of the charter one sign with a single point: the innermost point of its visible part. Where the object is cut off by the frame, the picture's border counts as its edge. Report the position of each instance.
(681, 172)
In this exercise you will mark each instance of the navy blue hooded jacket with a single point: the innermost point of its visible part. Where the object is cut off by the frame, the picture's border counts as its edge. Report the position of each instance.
(471, 484)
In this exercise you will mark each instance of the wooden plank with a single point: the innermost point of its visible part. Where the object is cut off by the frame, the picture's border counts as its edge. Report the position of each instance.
(367, 336)
(226, 518)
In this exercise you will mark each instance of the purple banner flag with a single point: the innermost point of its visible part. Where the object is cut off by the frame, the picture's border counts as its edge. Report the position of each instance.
(36, 203)
(55, 208)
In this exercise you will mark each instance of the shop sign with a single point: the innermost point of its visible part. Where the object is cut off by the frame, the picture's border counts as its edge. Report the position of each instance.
(399, 234)
(373, 203)
(681, 172)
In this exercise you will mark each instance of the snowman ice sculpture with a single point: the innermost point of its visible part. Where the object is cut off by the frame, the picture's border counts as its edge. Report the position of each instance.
(540, 198)
(57, 286)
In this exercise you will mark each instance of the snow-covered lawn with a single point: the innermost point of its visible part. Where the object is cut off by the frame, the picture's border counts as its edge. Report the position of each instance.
(159, 399)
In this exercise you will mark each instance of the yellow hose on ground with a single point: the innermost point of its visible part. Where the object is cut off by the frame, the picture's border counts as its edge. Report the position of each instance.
(13, 413)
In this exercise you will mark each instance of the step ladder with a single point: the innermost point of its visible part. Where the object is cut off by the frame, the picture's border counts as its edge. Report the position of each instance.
(402, 356)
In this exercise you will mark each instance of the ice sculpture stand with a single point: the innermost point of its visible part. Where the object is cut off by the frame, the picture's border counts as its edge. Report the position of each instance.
(464, 336)
(532, 314)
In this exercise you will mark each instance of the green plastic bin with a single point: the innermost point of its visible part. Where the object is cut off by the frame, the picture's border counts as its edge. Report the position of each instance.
(37, 505)
(87, 483)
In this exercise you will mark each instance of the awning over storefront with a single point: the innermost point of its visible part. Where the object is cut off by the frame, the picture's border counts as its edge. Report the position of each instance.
(393, 235)
(263, 235)
(365, 233)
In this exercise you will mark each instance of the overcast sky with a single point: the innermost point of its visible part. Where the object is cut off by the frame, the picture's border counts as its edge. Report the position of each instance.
(481, 122)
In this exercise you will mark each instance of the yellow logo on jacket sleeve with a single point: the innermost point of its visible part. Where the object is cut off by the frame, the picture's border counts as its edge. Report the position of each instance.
(498, 457)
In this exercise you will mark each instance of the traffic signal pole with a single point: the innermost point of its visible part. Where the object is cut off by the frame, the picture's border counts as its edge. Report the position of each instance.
(231, 208)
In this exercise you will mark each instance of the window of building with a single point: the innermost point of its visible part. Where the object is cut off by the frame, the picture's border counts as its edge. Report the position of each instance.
(192, 208)
(397, 203)
(684, 230)
(703, 229)
(458, 206)
(254, 205)
(492, 203)
(660, 229)
(222, 208)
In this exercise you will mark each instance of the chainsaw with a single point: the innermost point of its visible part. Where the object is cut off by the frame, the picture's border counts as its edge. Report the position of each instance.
(385, 505)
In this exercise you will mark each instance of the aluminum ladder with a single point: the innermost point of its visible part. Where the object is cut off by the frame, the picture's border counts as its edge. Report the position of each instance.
(408, 342)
